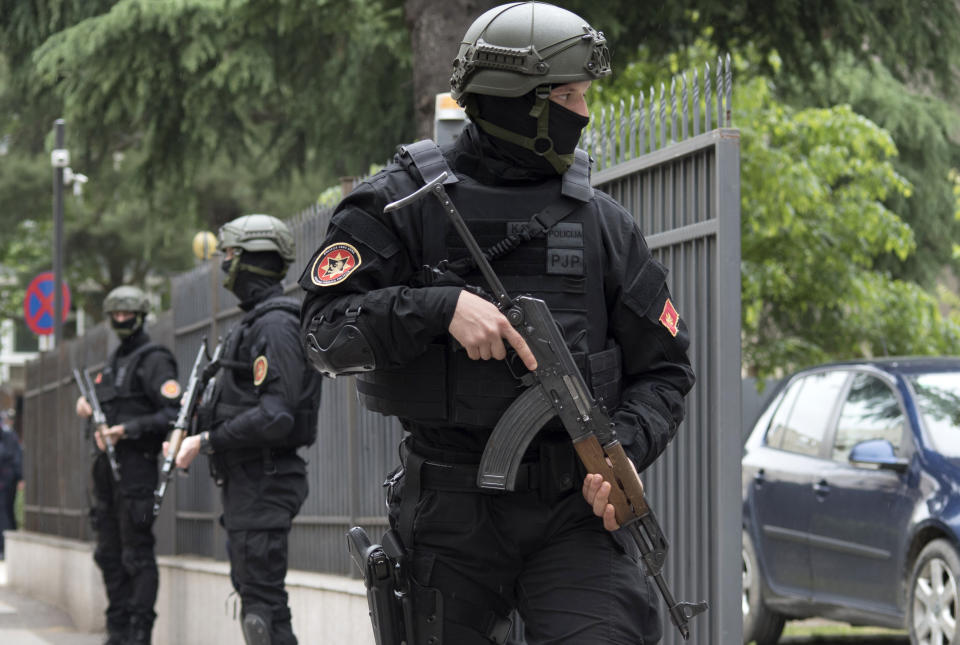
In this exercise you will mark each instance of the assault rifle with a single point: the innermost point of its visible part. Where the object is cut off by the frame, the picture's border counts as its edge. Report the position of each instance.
(87, 391)
(557, 388)
(183, 424)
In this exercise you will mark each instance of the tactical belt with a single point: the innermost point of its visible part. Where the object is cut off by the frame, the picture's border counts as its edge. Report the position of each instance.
(462, 478)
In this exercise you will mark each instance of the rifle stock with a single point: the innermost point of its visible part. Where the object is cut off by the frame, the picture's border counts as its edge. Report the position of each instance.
(558, 383)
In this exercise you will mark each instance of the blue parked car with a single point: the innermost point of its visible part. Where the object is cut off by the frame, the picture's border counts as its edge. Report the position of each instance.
(851, 500)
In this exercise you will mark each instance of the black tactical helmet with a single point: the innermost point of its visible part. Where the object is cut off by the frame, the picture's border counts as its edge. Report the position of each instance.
(126, 298)
(515, 48)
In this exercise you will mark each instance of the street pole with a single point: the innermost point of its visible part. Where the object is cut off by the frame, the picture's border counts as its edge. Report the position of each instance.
(60, 160)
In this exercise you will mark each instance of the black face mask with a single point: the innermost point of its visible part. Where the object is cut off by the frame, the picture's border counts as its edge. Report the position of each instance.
(513, 115)
(249, 285)
(128, 327)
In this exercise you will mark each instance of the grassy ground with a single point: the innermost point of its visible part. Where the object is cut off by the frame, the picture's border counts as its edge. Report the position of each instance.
(18, 507)
(825, 632)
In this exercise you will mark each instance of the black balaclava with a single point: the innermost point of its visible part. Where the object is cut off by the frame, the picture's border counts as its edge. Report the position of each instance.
(529, 131)
(128, 328)
(251, 274)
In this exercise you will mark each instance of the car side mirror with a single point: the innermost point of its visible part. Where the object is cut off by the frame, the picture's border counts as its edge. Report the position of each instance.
(880, 453)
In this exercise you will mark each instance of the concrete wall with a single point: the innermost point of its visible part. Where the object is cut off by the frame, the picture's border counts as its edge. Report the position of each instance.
(195, 605)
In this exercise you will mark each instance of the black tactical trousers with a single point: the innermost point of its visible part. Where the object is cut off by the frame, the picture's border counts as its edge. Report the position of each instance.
(539, 550)
(122, 517)
(258, 567)
(260, 501)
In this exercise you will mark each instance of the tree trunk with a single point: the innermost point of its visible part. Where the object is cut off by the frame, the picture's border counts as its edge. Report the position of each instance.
(435, 32)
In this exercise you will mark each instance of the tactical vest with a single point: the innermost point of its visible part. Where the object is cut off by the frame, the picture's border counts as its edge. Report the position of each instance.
(562, 265)
(114, 385)
(233, 388)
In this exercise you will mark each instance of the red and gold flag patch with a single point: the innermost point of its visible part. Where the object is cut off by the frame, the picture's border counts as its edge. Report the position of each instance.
(334, 264)
(259, 370)
(170, 389)
(669, 317)
(99, 378)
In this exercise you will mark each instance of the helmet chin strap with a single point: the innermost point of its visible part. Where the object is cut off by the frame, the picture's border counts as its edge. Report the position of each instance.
(541, 145)
(125, 331)
(236, 266)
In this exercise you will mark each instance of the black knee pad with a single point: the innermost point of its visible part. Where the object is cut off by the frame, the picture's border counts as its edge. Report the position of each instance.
(256, 629)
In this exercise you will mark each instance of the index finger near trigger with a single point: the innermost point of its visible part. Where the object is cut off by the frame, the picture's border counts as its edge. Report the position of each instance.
(523, 350)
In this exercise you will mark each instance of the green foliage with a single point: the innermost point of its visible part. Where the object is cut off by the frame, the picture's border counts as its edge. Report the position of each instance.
(270, 85)
(926, 131)
(814, 184)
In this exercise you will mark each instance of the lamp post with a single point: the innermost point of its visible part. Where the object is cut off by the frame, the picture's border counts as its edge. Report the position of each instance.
(59, 159)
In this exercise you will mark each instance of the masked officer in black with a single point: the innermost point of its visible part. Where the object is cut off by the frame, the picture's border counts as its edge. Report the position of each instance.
(263, 406)
(422, 339)
(139, 394)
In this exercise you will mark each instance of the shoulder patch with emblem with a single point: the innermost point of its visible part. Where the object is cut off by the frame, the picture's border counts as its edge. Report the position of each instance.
(259, 369)
(669, 317)
(170, 389)
(99, 378)
(334, 264)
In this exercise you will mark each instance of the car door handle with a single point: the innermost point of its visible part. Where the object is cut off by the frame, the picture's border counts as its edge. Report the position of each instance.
(821, 488)
(759, 478)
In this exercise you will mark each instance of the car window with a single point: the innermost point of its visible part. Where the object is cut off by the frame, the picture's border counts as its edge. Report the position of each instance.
(871, 411)
(801, 420)
(938, 399)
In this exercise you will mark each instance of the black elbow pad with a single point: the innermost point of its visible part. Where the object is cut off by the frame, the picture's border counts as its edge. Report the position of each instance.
(348, 353)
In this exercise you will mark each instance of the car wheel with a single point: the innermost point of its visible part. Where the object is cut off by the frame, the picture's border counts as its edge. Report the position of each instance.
(760, 624)
(935, 596)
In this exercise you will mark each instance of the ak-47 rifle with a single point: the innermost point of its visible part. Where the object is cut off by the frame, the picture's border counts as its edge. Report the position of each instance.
(87, 391)
(183, 424)
(556, 388)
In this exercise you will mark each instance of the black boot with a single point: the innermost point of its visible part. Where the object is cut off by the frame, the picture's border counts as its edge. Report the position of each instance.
(117, 633)
(140, 629)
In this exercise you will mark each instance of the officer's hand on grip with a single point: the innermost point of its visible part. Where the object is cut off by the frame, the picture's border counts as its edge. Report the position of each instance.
(597, 492)
(113, 434)
(479, 326)
(83, 408)
(189, 449)
(98, 437)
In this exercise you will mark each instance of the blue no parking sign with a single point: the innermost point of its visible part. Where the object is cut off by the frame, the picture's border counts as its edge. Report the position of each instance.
(38, 304)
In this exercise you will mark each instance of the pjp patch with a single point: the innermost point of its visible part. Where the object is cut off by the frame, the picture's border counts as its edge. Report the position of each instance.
(170, 389)
(334, 264)
(259, 370)
(669, 317)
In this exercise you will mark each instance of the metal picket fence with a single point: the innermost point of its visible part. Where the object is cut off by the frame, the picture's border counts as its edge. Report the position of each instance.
(675, 167)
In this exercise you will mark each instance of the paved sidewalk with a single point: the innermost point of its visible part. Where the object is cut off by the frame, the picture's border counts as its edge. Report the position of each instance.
(24, 621)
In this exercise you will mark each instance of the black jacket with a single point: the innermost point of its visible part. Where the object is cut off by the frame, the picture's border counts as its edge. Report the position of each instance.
(402, 319)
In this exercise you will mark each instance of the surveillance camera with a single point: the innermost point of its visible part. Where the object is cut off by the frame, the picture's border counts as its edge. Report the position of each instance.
(60, 158)
(73, 177)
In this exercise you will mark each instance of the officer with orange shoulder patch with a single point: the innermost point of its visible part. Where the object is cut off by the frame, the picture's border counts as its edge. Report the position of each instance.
(140, 396)
(262, 406)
